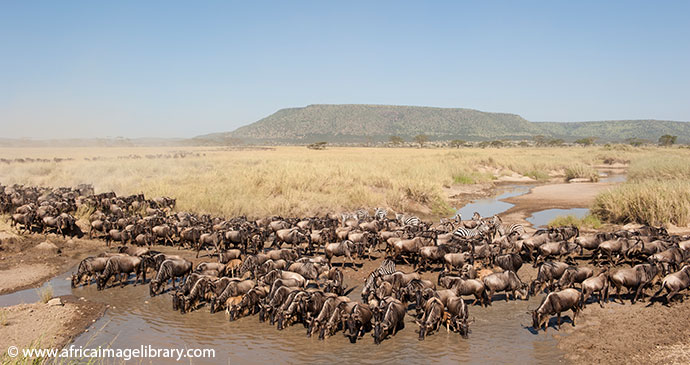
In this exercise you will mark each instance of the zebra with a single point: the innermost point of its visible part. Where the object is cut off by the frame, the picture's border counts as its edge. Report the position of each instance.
(362, 214)
(407, 220)
(387, 267)
(344, 217)
(380, 214)
(476, 216)
(507, 229)
(467, 233)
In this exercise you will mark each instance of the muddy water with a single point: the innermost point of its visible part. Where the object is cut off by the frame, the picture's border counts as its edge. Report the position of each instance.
(498, 335)
(543, 217)
(59, 285)
(487, 207)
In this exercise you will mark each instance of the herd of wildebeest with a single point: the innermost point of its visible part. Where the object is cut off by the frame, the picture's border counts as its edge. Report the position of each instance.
(281, 268)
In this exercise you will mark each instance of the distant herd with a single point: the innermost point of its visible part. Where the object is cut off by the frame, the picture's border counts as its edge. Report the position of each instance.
(281, 269)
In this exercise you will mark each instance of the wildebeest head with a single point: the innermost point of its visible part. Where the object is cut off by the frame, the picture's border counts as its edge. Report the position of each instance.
(101, 281)
(76, 279)
(154, 286)
(462, 325)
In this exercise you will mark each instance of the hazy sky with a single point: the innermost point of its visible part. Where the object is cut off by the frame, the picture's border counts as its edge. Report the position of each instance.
(178, 69)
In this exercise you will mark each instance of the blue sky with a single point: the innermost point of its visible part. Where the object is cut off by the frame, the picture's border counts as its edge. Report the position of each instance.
(178, 69)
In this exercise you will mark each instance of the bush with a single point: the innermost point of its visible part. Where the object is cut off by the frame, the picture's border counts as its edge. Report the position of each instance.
(581, 171)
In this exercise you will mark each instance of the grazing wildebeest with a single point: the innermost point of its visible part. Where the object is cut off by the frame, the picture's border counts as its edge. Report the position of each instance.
(392, 321)
(556, 303)
(358, 322)
(169, 270)
(89, 267)
(433, 315)
(457, 316)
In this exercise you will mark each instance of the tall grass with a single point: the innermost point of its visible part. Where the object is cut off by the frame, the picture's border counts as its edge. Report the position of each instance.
(581, 171)
(657, 192)
(662, 168)
(649, 202)
(295, 180)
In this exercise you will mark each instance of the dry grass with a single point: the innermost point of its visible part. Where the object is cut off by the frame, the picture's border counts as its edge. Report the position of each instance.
(657, 192)
(581, 171)
(589, 221)
(296, 180)
(45, 293)
(649, 202)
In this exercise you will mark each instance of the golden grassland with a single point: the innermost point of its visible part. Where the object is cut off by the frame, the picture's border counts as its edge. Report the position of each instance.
(297, 181)
(657, 192)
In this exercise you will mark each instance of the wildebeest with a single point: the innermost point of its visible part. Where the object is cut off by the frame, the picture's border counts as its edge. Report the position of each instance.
(433, 315)
(89, 267)
(122, 265)
(505, 281)
(392, 320)
(636, 278)
(457, 316)
(598, 284)
(344, 248)
(556, 303)
(169, 270)
(548, 273)
(358, 322)
(509, 262)
(674, 283)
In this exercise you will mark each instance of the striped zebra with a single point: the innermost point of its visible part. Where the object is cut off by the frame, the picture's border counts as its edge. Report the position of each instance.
(344, 217)
(507, 229)
(407, 220)
(476, 216)
(380, 214)
(387, 267)
(362, 215)
(467, 233)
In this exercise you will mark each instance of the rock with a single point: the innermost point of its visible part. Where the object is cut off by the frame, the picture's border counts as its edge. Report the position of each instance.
(47, 246)
(54, 302)
(579, 180)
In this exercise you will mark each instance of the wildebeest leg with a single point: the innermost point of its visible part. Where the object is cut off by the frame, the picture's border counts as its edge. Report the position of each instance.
(559, 321)
(574, 315)
(618, 293)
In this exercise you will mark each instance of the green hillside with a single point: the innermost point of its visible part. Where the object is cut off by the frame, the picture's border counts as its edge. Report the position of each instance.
(358, 123)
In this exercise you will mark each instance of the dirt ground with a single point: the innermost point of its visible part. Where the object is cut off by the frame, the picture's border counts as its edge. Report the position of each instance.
(28, 260)
(39, 325)
(629, 334)
(563, 196)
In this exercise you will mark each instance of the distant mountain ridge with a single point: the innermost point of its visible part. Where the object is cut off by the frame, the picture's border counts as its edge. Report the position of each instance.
(359, 123)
